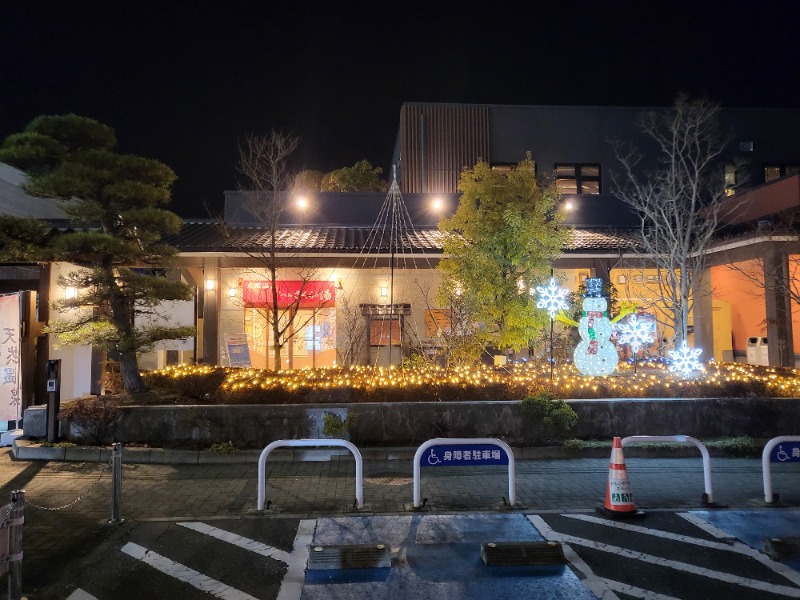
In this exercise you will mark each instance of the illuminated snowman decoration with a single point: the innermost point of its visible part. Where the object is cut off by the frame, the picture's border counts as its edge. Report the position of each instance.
(595, 354)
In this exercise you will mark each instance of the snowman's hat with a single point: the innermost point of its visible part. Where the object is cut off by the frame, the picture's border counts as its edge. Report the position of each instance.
(594, 287)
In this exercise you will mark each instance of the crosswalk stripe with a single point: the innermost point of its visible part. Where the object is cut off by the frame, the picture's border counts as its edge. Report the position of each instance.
(238, 540)
(664, 562)
(184, 573)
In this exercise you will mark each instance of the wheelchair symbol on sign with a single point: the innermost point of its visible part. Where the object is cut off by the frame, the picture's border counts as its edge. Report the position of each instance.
(782, 456)
(432, 458)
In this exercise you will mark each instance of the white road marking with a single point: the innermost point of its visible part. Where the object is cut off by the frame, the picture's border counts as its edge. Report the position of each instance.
(238, 540)
(655, 532)
(597, 585)
(80, 594)
(292, 584)
(636, 592)
(184, 573)
(673, 564)
(710, 529)
(743, 548)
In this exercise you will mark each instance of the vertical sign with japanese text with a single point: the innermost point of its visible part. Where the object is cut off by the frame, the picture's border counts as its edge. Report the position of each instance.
(9, 358)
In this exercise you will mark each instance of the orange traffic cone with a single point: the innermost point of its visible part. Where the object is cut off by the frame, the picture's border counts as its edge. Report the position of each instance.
(619, 498)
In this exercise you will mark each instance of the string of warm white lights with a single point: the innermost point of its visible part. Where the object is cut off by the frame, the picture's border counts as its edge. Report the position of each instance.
(783, 382)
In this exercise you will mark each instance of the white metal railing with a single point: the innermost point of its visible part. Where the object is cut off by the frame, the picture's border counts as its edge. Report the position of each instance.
(766, 467)
(708, 496)
(322, 443)
(512, 479)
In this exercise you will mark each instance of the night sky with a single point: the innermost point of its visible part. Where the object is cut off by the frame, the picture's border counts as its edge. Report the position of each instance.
(182, 82)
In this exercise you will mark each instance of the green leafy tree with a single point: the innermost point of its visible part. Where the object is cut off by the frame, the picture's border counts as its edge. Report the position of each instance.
(116, 202)
(361, 177)
(505, 235)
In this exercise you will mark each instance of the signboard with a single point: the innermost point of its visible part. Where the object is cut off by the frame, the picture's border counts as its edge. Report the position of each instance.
(786, 452)
(238, 350)
(303, 294)
(463, 455)
(9, 358)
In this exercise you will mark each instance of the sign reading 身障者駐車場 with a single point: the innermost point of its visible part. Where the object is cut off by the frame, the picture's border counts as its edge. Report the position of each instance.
(9, 358)
(462, 455)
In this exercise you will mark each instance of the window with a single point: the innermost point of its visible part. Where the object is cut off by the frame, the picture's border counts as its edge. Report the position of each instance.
(772, 172)
(578, 178)
(502, 167)
(730, 180)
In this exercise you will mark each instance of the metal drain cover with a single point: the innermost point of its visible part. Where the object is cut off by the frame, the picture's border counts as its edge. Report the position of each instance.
(522, 553)
(349, 556)
(787, 548)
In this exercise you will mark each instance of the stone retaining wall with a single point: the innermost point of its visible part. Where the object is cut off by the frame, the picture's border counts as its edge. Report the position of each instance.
(409, 424)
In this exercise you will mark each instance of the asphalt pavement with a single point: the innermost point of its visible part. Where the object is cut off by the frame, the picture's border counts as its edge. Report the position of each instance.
(69, 503)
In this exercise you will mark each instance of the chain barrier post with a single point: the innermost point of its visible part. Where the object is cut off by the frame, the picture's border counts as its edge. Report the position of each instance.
(16, 519)
(116, 482)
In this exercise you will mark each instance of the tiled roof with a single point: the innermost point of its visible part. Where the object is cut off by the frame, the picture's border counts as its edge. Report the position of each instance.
(604, 239)
(16, 202)
(210, 237)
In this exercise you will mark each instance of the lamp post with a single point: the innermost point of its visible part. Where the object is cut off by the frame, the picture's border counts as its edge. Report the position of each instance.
(552, 298)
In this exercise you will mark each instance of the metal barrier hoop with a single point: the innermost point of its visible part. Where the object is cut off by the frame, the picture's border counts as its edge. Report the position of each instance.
(766, 467)
(309, 443)
(708, 496)
(512, 481)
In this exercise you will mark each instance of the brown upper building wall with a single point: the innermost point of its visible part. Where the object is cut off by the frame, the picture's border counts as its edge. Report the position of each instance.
(763, 201)
(440, 140)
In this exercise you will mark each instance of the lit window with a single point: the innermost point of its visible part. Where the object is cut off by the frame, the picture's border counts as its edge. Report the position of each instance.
(772, 172)
(573, 178)
(730, 180)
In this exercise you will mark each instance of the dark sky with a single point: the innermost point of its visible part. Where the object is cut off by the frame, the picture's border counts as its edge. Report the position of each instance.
(184, 81)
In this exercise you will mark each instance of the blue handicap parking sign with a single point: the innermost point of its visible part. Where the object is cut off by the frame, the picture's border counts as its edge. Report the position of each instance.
(463, 455)
(786, 452)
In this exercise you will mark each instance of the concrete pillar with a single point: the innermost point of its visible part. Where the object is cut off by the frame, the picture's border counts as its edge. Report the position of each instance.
(703, 313)
(779, 309)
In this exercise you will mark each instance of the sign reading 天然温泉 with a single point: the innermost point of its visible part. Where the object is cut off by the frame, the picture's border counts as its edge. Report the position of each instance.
(9, 358)
(463, 455)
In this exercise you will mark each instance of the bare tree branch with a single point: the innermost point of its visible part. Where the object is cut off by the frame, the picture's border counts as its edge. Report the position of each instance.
(678, 199)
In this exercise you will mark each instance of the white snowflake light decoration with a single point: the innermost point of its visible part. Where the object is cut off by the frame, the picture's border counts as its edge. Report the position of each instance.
(684, 360)
(552, 298)
(636, 333)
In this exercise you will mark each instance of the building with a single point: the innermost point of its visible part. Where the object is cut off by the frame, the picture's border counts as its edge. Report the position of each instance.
(364, 290)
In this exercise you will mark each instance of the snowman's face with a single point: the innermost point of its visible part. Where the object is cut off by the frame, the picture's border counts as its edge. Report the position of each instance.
(595, 304)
